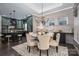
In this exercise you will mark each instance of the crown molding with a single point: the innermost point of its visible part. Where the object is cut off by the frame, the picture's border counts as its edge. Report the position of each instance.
(55, 11)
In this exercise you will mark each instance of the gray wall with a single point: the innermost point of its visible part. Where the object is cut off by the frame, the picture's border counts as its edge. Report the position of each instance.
(69, 14)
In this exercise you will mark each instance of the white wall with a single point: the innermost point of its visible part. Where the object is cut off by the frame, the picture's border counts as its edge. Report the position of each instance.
(76, 27)
(76, 32)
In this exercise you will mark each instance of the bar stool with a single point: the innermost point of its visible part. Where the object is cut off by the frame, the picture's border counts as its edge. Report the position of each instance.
(8, 36)
(1, 38)
(19, 35)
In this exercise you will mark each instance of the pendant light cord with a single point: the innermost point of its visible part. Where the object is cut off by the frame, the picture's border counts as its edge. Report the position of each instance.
(42, 9)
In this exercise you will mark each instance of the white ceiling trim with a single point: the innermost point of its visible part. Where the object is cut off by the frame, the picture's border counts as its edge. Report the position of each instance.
(38, 8)
(57, 11)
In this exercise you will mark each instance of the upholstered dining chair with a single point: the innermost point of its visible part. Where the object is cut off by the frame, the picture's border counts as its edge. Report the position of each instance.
(30, 41)
(51, 35)
(39, 33)
(55, 42)
(30, 33)
(43, 43)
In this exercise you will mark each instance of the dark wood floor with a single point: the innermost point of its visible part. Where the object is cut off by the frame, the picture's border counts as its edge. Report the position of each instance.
(71, 49)
(6, 50)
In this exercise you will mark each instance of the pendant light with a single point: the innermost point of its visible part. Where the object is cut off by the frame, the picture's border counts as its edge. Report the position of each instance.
(14, 14)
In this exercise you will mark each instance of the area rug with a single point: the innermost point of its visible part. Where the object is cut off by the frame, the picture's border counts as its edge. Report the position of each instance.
(22, 50)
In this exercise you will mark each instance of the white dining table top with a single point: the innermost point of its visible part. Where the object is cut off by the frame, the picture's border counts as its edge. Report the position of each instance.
(35, 35)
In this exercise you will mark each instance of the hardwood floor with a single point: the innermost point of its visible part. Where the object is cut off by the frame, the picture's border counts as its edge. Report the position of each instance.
(6, 50)
(71, 49)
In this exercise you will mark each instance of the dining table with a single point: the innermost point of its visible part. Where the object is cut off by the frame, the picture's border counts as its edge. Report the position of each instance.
(35, 35)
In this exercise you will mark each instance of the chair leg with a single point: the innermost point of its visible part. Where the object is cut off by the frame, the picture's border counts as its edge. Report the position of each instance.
(19, 38)
(8, 41)
(40, 53)
(47, 53)
(37, 48)
(0, 40)
(29, 49)
(57, 49)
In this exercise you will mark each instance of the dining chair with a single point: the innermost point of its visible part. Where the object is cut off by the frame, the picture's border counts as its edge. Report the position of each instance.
(51, 34)
(43, 43)
(55, 42)
(30, 33)
(30, 41)
(39, 33)
(43, 32)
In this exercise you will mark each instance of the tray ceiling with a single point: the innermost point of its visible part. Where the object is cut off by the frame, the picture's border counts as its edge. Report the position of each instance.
(25, 9)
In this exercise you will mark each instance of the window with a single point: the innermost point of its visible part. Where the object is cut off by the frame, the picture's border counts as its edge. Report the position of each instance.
(19, 24)
(63, 21)
(58, 21)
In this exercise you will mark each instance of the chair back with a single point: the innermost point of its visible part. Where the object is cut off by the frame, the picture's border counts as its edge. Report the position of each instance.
(58, 37)
(39, 33)
(30, 33)
(43, 41)
(51, 34)
(28, 37)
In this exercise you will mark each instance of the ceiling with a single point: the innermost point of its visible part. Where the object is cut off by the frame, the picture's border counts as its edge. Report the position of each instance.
(25, 9)
(43, 7)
